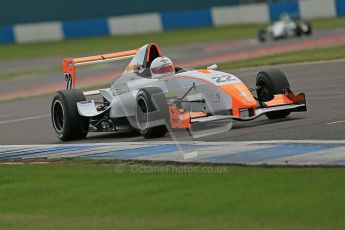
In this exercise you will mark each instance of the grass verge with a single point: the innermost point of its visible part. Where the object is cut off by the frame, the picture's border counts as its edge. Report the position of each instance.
(174, 37)
(328, 53)
(87, 195)
(108, 44)
(328, 23)
(14, 74)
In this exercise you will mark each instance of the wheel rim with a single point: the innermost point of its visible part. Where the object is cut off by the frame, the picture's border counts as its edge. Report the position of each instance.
(58, 116)
(142, 114)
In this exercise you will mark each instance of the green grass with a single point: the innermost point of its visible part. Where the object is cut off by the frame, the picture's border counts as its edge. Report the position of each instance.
(328, 53)
(14, 74)
(109, 44)
(328, 23)
(83, 195)
(174, 37)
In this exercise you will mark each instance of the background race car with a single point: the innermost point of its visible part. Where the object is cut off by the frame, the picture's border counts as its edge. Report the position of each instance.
(284, 28)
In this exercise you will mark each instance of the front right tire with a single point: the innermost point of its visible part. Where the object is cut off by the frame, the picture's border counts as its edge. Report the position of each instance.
(270, 82)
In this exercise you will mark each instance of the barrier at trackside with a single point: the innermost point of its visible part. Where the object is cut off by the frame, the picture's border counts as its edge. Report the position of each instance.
(186, 19)
(135, 24)
(252, 13)
(340, 7)
(317, 9)
(85, 28)
(6, 34)
(156, 22)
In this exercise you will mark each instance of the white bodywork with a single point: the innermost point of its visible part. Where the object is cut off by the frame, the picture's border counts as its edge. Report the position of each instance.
(174, 86)
(123, 92)
(282, 29)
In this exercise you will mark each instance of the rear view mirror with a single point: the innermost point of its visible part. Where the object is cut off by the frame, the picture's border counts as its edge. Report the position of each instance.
(138, 69)
(213, 67)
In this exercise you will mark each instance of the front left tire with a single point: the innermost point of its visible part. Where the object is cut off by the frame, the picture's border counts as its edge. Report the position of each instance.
(66, 121)
(262, 35)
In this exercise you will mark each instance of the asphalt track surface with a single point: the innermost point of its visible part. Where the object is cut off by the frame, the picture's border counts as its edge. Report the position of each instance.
(28, 122)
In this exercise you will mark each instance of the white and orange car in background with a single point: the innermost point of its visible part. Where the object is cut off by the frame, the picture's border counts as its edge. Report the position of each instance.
(152, 96)
(284, 28)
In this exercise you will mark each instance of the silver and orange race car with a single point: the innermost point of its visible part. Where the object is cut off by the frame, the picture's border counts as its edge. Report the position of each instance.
(152, 96)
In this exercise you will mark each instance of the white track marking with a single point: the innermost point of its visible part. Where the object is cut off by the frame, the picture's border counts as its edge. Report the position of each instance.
(187, 156)
(203, 150)
(335, 122)
(23, 119)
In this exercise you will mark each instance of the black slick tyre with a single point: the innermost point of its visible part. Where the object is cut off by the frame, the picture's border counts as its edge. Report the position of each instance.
(262, 35)
(67, 122)
(270, 82)
(151, 112)
(309, 29)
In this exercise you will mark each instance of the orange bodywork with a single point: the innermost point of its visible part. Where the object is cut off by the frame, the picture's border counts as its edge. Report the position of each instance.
(131, 67)
(279, 99)
(69, 64)
(104, 56)
(242, 98)
(205, 71)
(69, 69)
(180, 118)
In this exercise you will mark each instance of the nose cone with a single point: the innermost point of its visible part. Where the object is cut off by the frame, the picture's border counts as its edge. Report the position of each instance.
(242, 98)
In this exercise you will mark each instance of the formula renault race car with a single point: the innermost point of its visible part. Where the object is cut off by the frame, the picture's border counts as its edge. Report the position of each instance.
(152, 96)
(284, 28)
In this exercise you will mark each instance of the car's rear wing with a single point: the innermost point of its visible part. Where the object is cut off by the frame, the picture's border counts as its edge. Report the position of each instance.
(69, 64)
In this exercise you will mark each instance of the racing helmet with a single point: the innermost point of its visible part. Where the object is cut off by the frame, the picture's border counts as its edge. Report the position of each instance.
(285, 16)
(162, 67)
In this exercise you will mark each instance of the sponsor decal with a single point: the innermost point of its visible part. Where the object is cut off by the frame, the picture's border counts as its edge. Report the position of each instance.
(223, 78)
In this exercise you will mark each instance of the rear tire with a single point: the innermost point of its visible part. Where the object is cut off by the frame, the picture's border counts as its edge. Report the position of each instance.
(309, 30)
(262, 35)
(67, 122)
(298, 31)
(151, 107)
(271, 82)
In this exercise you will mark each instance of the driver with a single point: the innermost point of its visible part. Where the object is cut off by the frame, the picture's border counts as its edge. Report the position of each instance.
(162, 67)
(285, 17)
